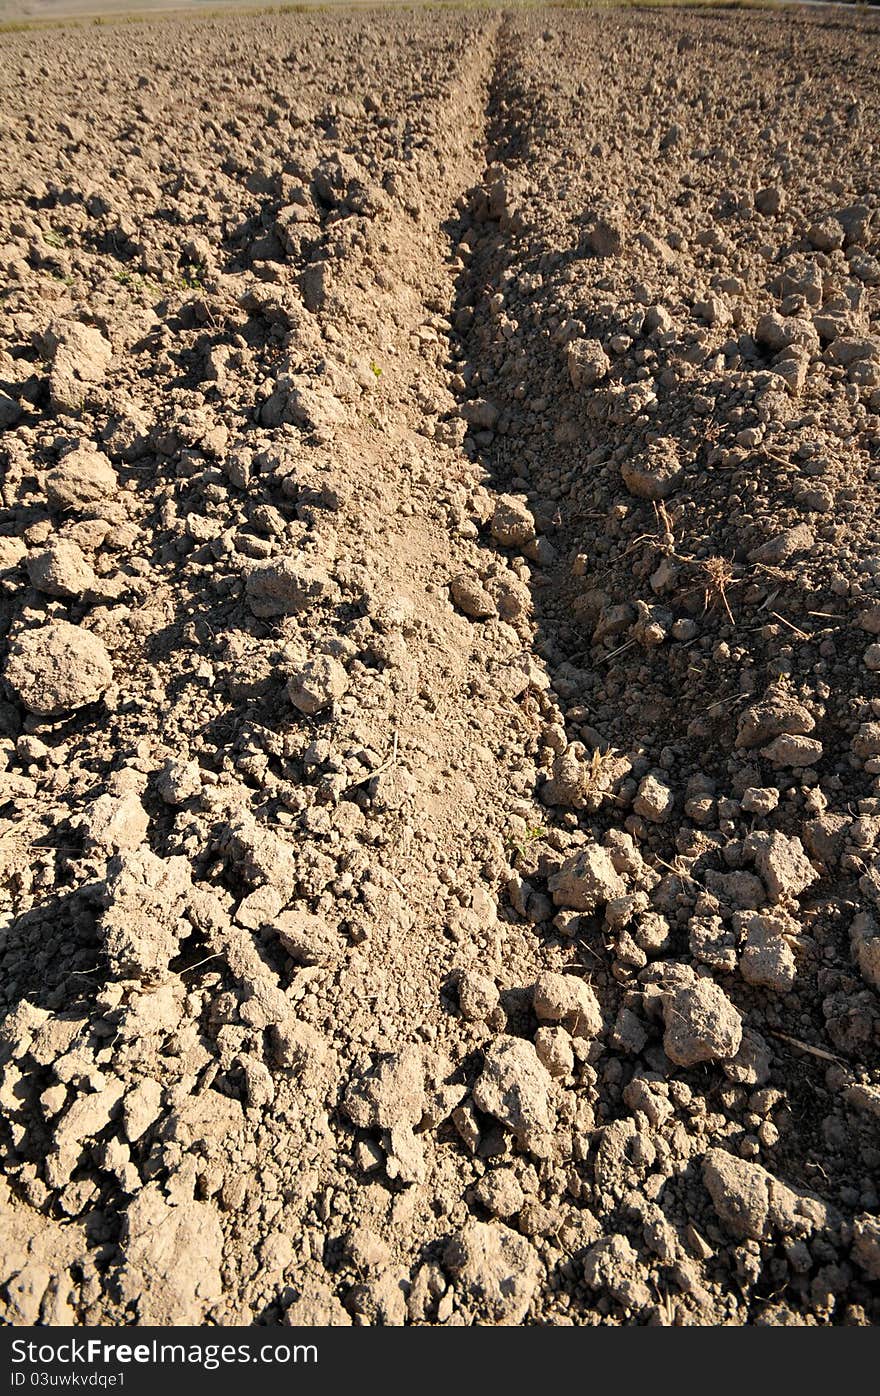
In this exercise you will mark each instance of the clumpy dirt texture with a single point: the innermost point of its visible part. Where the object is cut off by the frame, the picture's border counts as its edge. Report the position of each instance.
(440, 597)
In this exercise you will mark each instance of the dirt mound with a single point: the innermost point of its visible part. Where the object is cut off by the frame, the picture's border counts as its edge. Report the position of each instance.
(438, 581)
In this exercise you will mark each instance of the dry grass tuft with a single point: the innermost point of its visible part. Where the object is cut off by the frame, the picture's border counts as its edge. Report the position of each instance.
(718, 573)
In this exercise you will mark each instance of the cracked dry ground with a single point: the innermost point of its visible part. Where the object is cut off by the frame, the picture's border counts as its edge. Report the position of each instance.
(441, 618)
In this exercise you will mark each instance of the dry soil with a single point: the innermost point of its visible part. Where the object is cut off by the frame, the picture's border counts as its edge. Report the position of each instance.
(440, 599)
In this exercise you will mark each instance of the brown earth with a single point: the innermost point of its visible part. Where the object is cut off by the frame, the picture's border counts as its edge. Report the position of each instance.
(441, 744)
